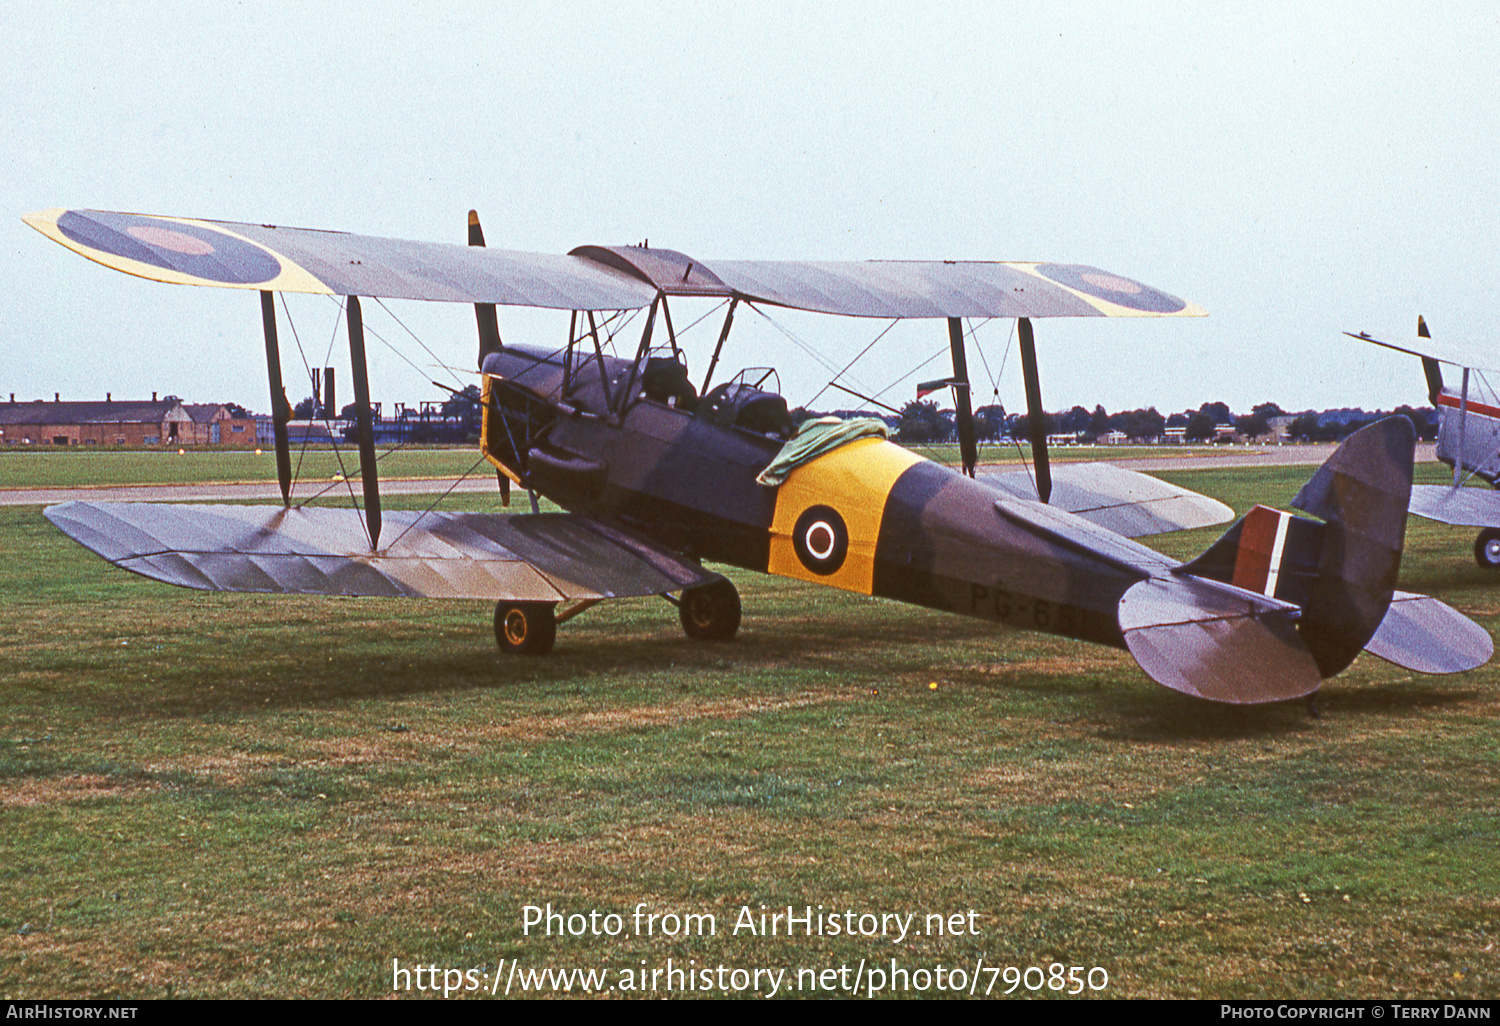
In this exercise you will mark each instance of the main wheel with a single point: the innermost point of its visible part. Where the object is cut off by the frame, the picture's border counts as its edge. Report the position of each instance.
(525, 628)
(1487, 548)
(710, 612)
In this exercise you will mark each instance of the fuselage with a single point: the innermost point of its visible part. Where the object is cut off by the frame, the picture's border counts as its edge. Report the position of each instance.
(869, 516)
(1469, 433)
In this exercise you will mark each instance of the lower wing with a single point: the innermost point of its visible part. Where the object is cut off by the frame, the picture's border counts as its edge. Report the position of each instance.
(1123, 501)
(547, 557)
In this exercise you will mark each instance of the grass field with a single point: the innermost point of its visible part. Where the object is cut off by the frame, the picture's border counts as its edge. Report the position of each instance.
(235, 795)
(52, 468)
(80, 468)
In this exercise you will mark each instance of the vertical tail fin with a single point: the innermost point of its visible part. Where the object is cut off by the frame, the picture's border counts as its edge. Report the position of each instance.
(1361, 493)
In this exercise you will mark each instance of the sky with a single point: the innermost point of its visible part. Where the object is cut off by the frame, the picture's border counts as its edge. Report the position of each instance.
(1298, 170)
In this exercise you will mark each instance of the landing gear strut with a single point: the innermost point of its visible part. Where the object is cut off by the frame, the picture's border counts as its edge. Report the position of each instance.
(710, 612)
(525, 628)
(1487, 548)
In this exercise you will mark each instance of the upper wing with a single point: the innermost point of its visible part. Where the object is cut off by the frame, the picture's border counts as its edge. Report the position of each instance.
(257, 256)
(1455, 353)
(1123, 501)
(547, 557)
(949, 288)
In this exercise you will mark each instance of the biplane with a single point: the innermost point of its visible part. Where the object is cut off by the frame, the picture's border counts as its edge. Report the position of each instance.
(658, 477)
(1468, 439)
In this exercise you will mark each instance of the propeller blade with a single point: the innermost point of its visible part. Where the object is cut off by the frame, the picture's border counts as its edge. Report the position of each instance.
(484, 313)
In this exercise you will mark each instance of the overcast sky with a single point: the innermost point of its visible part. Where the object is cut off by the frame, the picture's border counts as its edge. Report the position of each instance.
(1296, 169)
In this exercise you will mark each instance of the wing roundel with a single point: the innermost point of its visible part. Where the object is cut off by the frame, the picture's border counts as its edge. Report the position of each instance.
(174, 250)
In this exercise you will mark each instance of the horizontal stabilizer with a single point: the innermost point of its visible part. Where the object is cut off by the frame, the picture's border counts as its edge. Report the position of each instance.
(1461, 507)
(1124, 501)
(547, 557)
(1216, 641)
(1428, 636)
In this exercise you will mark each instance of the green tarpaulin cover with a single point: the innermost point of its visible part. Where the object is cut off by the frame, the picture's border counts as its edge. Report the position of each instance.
(813, 439)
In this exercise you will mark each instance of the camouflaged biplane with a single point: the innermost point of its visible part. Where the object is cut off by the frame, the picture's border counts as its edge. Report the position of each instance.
(659, 476)
(1468, 438)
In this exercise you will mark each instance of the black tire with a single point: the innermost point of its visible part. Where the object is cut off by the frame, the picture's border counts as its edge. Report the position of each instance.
(525, 628)
(1487, 548)
(710, 612)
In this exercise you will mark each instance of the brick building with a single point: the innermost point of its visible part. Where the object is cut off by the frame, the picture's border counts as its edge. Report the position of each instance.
(214, 424)
(127, 422)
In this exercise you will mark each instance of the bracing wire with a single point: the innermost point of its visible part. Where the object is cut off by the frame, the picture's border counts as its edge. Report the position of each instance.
(334, 336)
(911, 373)
(809, 350)
(301, 452)
(715, 309)
(852, 362)
(418, 518)
(349, 480)
(337, 454)
(974, 334)
(346, 478)
(994, 379)
(436, 360)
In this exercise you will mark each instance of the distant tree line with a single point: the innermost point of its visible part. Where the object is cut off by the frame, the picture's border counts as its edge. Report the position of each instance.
(924, 421)
(1335, 425)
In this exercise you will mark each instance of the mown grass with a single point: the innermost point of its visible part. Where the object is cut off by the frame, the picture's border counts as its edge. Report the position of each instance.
(220, 796)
